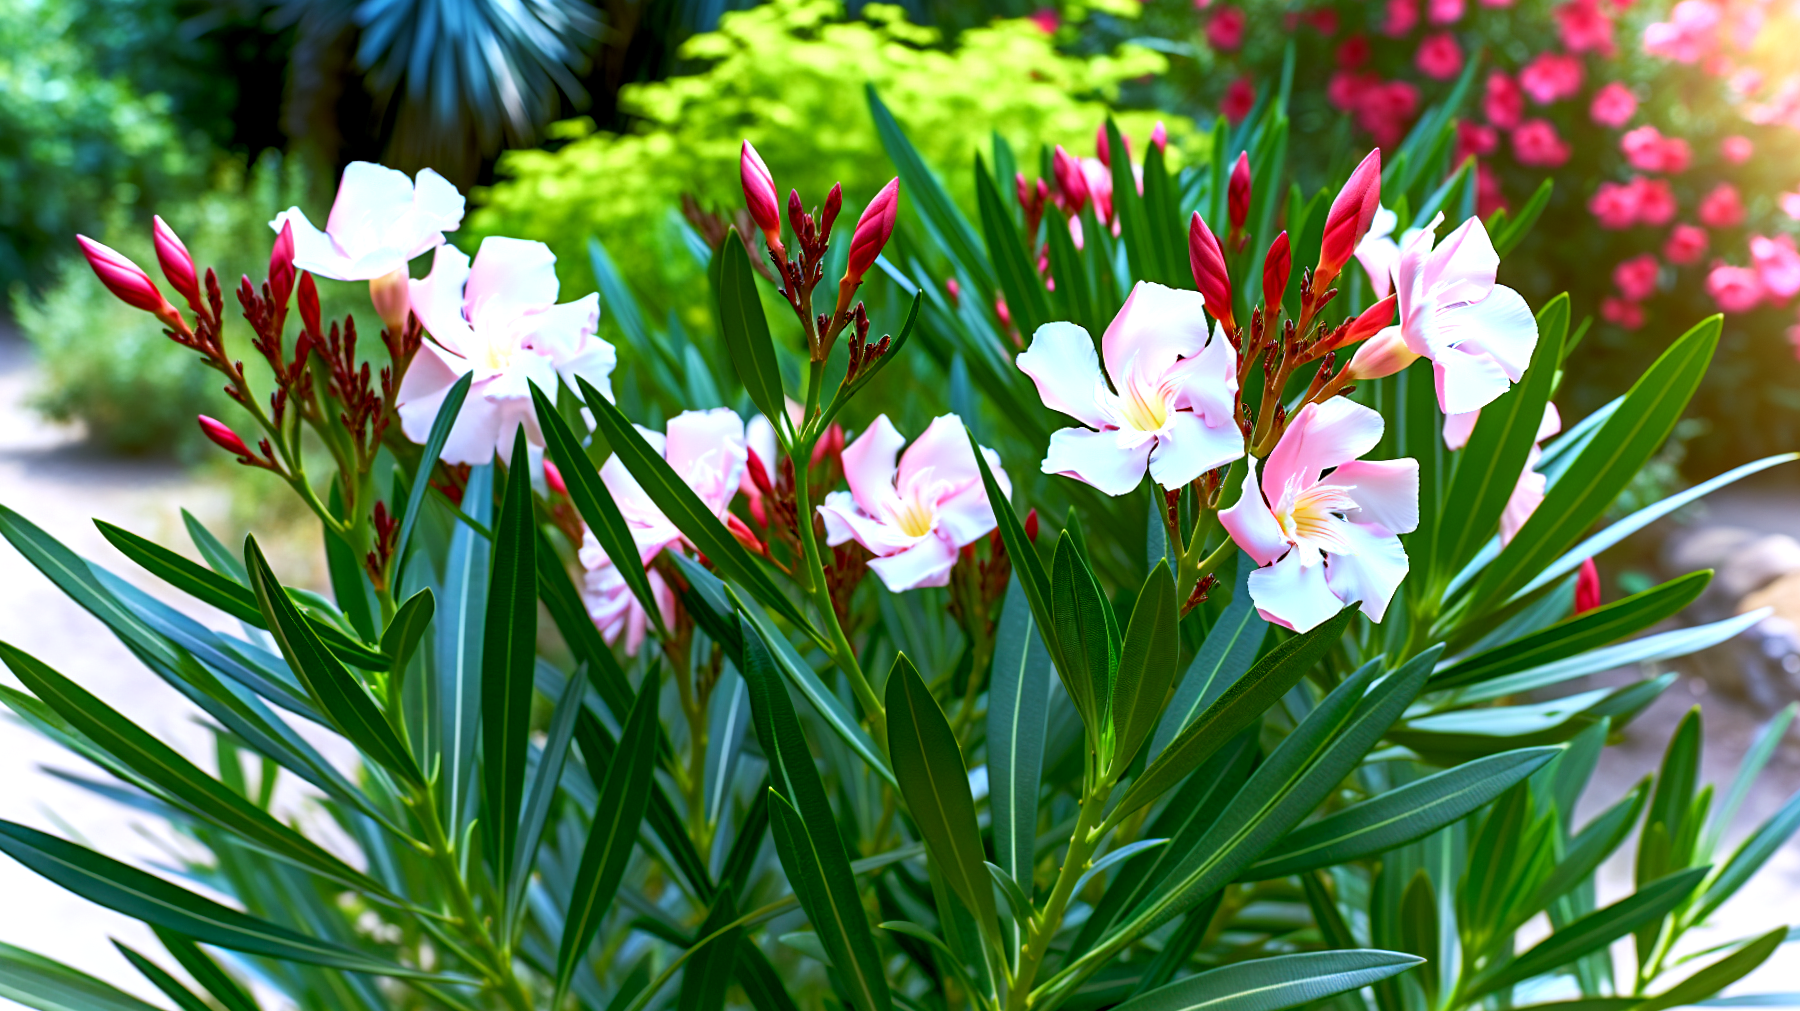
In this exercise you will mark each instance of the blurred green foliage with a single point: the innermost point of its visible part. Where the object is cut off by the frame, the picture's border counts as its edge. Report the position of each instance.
(111, 367)
(788, 76)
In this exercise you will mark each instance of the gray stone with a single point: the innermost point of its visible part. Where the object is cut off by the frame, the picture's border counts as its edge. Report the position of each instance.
(1705, 547)
(1757, 564)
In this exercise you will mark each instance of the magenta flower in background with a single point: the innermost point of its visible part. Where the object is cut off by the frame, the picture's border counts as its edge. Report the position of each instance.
(1402, 18)
(1439, 57)
(1647, 150)
(1636, 277)
(1687, 243)
(1225, 30)
(1171, 414)
(1722, 207)
(1690, 34)
(1551, 77)
(499, 319)
(1444, 12)
(1736, 289)
(1384, 110)
(1239, 99)
(1655, 201)
(1322, 523)
(1586, 27)
(915, 513)
(1737, 149)
(1615, 205)
(1613, 105)
(1621, 312)
(1535, 144)
(1503, 103)
(1777, 265)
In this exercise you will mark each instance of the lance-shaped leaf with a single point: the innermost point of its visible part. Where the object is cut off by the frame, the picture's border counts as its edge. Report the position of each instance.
(746, 332)
(47, 985)
(159, 977)
(708, 972)
(1241, 705)
(1273, 984)
(1018, 275)
(684, 509)
(1719, 975)
(934, 779)
(827, 893)
(595, 504)
(1592, 932)
(402, 635)
(624, 793)
(1147, 663)
(543, 790)
(1090, 653)
(124, 889)
(337, 694)
(434, 448)
(927, 197)
(184, 783)
(1228, 651)
(1755, 851)
(508, 657)
(206, 972)
(1399, 816)
(1017, 722)
(1023, 553)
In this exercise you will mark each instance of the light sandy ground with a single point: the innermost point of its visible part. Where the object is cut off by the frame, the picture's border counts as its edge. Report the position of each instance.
(46, 475)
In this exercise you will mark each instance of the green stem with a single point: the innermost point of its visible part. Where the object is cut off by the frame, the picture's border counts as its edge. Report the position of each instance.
(1083, 841)
(838, 645)
(498, 970)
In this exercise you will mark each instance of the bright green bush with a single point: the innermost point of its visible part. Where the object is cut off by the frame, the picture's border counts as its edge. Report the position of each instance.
(788, 75)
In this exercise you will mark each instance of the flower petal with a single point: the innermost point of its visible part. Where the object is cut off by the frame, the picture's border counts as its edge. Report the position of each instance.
(707, 449)
(1207, 382)
(1156, 326)
(1458, 428)
(845, 522)
(1252, 525)
(1385, 492)
(967, 516)
(869, 465)
(944, 448)
(926, 563)
(1462, 267)
(1063, 364)
(1466, 381)
(428, 379)
(1293, 595)
(1097, 458)
(1500, 326)
(370, 200)
(1526, 496)
(313, 250)
(1371, 571)
(1191, 447)
(517, 271)
(1377, 254)
(1320, 437)
(437, 208)
(437, 299)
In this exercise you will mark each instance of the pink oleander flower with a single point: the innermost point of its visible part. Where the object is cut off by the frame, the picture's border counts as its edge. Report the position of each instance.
(1345, 88)
(1444, 12)
(1503, 103)
(1586, 28)
(379, 222)
(1225, 31)
(1777, 265)
(223, 437)
(1479, 335)
(1737, 149)
(1636, 277)
(1736, 289)
(1722, 208)
(1687, 243)
(1239, 99)
(1613, 106)
(1172, 412)
(1528, 492)
(1615, 205)
(1439, 57)
(1690, 34)
(1322, 524)
(1385, 110)
(1379, 250)
(1488, 195)
(1402, 18)
(1353, 52)
(1324, 20)
(1621, 312)
(177, 264)
(1790, 205)
(1046, 19)
(761, 198)
(497, 318)
(1474, 139)
(1535, 144)
(1551, 77)
(1498, 3)
(1649, 151)
(1655, 201)
(913, 514)
(706, 450)
(1348, 220)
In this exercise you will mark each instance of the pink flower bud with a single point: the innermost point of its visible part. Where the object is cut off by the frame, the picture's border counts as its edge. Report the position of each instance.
(1381, 357)
(953, 291)
(307, 298)
(177, 265)
(1159, 137)
(760, 195)
(1071, 181)
(389, 295)
(1103, 148)
(223, 437)
(123, 278)
(281, 266)
(1587, 587)
(1276, 266)
(554, 479)
(1373, 320)
(759, 474)
(1348, 220)
(1238, 194)
(834, 202)
(1210, 275)
(872, 231)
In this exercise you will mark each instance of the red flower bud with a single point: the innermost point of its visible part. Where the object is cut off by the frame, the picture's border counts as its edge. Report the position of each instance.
(1587, 587)
(554, 479)
(743, 534)
(222, 436)
(1071, 181)
(1002, 311)
(1348, 220)
(307, 298)
(1031, 526)
(832, 445)
(1373, 320)
(872, 232)
(1210, 276)
(1103, 148)
(177, 265)
(760, 195)
(834, 202)
(1276, 266)
(281, 266)
(759, 475)
(1237, 196)
(124, 279)
(953, 291)
(1159, 137)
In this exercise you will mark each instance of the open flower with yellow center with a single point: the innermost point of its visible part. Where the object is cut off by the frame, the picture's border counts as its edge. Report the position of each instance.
(1323, 524)
(1168, 408)
(912, 510)
(498, 318)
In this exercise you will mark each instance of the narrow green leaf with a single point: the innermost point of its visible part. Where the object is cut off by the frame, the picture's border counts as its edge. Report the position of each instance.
(707, 973)
(828, 896)
(1141, 250)
(205, 971)
(1755, 851)
(142, 896)
(46, 985)
(508, 657)
(1012, 262)
(1228, 651)
(1578, 634)
(1591, 932)
(441, 425)
(1023, 553)
(683, 508)
(746, 332)
(354, 598)
(1074, 297)
(551, 760)
(342, 698)
(1591, 846)
(934, 779)
(1719, 975)
(159, 977)
(1399, 816)
(453, 677)
(1147, 664)
(1017, 722)
(1498, 449)
(1621, 447)
(942, 219)
(1162, 220)
(1520, 225)
(403, 634)
(624, 794)
(1090, 652)
(1768, 739)
(1115, 857)
(1015, 896)
(1240, 706)
(1273, 984)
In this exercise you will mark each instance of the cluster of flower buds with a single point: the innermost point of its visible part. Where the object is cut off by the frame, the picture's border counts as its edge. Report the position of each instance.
(800, 274)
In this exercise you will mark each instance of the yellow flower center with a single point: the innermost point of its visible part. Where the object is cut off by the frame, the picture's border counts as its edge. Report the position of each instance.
(1311, 516)
(1144, 406)
(914, 517)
